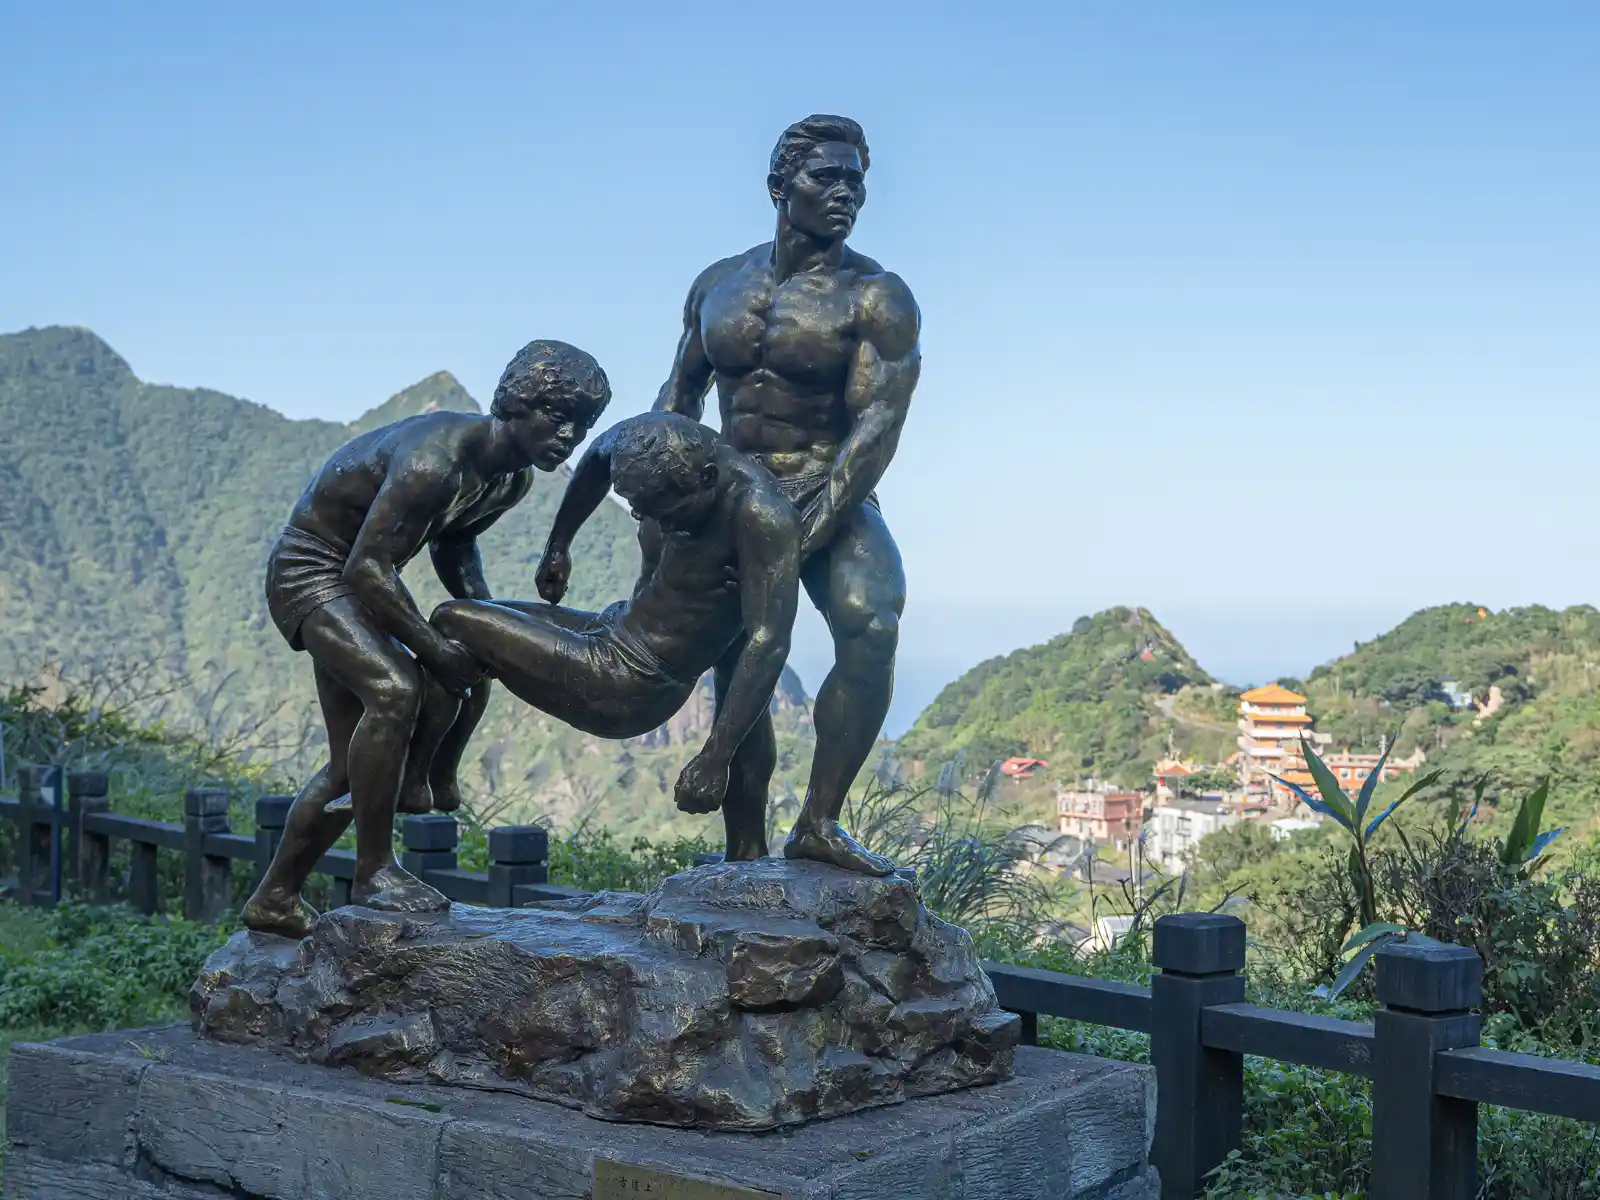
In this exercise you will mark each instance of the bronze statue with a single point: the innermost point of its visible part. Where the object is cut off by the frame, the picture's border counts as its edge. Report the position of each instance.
(718, 586)
(814, 351)
(334, 591)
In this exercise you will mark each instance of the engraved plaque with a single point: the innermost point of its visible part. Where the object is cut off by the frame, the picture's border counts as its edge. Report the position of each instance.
(624, 1181)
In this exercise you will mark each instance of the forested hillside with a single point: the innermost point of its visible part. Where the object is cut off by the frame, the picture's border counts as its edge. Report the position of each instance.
(1526, 703)
(137, 523)
(1101, 700)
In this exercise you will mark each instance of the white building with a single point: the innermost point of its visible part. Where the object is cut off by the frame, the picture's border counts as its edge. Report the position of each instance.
(1176, 827)
(1108, 931)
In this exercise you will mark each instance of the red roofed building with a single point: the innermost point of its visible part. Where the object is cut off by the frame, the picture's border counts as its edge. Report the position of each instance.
(1021, 768)
(1169, 779)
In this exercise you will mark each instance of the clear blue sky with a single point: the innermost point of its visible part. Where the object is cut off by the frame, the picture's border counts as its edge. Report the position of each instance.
(1281, 320)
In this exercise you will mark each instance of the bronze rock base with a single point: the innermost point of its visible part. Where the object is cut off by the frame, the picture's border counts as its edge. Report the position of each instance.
(739, 996)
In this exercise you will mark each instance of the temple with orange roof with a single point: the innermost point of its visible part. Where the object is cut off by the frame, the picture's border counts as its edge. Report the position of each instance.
(1273, 729)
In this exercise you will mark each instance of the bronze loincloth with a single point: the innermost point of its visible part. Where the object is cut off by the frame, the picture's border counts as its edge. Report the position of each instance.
(303, 573)
(804, 488)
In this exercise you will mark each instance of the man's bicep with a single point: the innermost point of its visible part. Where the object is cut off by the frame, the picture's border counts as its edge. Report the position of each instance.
(890, 319)
(888, 357)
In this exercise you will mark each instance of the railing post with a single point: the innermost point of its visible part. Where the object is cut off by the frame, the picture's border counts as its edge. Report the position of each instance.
(517, 854)
(143, 882)
(428, 843)
(272, 814)
(1199, 1091)
(88, 854)
(207, 879)
(33, 852)
(1424, 1146)
(55, 811)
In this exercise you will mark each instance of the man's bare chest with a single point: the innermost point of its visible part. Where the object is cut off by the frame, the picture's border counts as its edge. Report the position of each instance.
(476, 500)
(802, 329)
(695, 562)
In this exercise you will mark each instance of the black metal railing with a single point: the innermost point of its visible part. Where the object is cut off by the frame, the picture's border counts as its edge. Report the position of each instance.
(1421, 1050)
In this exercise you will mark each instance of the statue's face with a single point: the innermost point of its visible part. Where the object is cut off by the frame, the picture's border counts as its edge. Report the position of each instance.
(550, 431)
(668, 503)
(827, 192)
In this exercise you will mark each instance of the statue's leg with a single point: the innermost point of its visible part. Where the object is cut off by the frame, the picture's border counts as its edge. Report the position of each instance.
(446, 724)
(389, 684)
(449, 741)
(438, 717)
(744, 808)
(535, 650)
(308, 834)
(445, 761)
(859, 586)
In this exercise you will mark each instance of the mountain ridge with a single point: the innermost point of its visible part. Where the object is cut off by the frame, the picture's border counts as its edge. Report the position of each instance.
(140, 519)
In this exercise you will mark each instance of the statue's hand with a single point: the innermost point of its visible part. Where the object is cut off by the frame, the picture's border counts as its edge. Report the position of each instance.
(816, 527)
(555, 569)
(454, 667)
(702, 785)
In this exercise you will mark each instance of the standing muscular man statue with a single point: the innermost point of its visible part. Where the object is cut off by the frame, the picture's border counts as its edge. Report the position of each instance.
(333, 589)
(814, 352)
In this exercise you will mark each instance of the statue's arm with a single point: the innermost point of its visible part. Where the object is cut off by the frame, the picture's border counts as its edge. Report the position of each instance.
(768, 547)
(395, 529)
(456, 558)
(591, 480)
(690, 379)
(883, 375)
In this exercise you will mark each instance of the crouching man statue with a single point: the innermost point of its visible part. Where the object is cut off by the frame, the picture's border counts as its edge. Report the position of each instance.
(333, 589)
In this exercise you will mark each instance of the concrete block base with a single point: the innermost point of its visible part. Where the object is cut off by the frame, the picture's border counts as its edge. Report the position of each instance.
(158, 1114)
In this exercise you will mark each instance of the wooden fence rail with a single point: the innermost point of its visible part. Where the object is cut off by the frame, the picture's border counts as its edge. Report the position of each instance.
(1421, 1050)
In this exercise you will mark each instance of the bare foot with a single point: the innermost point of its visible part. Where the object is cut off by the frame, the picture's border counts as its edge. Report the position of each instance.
(392, 889)
(826, 842)
(284, 915)
(342, 804)
(446, 795)
(745, 852)
(415, 798)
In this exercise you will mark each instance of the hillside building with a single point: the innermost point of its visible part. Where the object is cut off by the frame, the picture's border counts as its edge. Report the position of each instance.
(1103, 817)
(1176, 827)
(1273, 728)
(1169, 779)
(1353, 770)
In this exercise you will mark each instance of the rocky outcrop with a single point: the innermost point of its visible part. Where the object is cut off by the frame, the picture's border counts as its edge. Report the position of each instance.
(738, 996)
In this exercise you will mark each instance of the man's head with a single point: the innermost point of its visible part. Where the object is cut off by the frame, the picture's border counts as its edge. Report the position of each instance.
(818, 175)
(665, 466)
(549, 397)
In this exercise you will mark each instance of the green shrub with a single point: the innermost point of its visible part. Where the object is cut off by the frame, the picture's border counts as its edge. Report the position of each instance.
(87, 969)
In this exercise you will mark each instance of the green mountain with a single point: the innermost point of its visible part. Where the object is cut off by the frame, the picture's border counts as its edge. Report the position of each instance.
(1105, 700)
(138, 520)
(1516, 692)
(440, 391)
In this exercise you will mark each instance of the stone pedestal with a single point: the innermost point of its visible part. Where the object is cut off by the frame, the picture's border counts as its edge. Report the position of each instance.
(163, 1115)
(735, 996)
